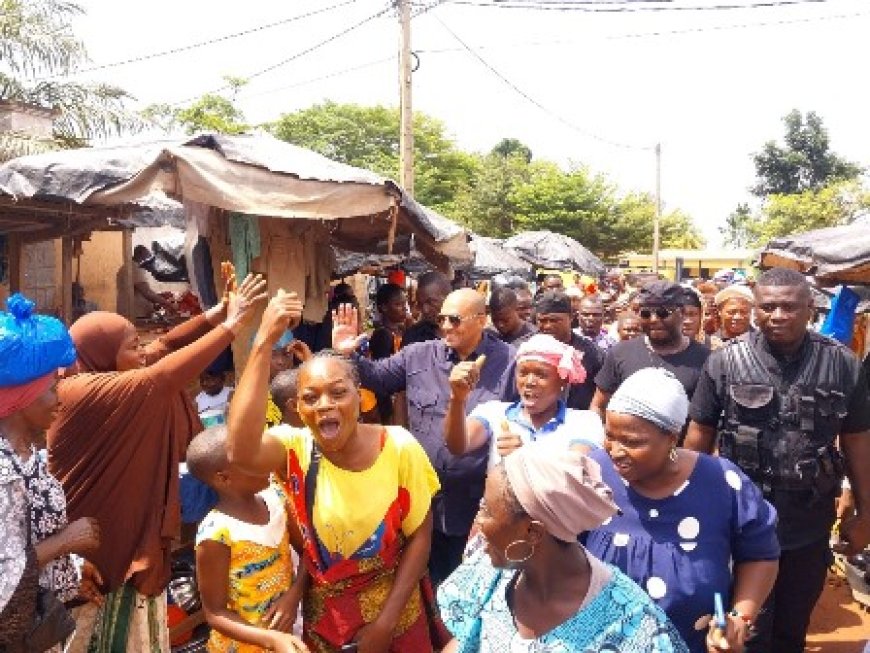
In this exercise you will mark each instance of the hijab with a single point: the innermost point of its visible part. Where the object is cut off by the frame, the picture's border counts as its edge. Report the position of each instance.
(98, 337)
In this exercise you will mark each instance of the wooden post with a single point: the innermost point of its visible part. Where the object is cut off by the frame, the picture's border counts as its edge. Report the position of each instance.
(14, 245)
(406, 113)
(126, 291)
(66, 256)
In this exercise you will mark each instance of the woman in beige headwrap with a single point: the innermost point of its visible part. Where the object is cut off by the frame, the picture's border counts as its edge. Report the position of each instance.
(532, 586)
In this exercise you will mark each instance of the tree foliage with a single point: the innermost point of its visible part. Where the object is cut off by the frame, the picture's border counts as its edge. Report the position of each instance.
(37, 49)
(368, 137)
(211, 112)
(738, 228)
(804, 163)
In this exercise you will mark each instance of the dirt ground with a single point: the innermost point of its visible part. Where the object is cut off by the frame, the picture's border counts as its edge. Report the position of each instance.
(839, 624)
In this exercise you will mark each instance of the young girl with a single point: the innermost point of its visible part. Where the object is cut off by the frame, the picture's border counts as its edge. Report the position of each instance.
(243, 561)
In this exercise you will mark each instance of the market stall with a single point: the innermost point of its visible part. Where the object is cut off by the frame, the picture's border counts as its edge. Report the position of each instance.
(546, 249)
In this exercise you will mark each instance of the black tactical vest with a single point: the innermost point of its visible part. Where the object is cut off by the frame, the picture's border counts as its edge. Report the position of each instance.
(782, 435)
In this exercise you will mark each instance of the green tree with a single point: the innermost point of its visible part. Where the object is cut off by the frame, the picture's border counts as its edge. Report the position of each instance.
(634, 229)
(738, 229)
(211, 112)
(804, 163)
(38, 49)
(368, 137)
(837, 204)
(487, 204)
(509, 146)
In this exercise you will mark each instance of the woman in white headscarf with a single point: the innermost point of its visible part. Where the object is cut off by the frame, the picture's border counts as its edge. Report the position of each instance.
(532, 587)
(684, 518)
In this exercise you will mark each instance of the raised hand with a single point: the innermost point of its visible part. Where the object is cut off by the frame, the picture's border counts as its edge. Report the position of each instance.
(345, 329)
(300, 350)
(242, 305)
(464, 376)
(283, 311)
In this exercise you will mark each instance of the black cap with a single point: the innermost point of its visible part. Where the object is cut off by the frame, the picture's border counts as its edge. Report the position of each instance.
(553, 301)
(662, 292)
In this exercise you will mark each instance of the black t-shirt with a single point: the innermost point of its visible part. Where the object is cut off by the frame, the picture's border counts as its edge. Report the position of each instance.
(800, 522)
(420, 332)
(580, 394)
(627, 357)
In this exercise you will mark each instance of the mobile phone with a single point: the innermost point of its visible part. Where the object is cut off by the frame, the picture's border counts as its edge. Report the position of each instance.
(350, 648)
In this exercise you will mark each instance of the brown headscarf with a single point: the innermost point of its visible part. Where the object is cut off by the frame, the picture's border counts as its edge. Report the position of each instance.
(563, 491)
(116, 444)
(98, 337)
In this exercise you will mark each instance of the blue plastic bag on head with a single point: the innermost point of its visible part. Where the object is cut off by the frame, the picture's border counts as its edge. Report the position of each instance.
(31, 345)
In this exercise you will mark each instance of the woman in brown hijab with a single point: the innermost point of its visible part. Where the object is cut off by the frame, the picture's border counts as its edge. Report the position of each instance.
(123, 425)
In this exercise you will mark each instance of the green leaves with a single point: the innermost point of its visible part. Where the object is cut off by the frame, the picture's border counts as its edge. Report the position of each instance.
(38, 49)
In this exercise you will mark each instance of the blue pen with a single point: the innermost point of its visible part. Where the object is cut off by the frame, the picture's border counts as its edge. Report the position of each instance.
(719, 615)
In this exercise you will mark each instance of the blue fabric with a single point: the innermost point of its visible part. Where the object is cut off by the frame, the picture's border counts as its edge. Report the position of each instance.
(620, 618)
(679, 548)
(840, 321)
(197, 498)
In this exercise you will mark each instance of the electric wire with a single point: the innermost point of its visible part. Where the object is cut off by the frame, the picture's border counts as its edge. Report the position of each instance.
(197, 45)
(564, 6)
(530, 99)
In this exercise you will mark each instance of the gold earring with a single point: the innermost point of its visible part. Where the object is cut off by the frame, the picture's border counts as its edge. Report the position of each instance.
(672, 456)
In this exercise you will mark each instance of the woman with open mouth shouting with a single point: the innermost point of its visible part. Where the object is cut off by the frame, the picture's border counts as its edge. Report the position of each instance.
(361, 493)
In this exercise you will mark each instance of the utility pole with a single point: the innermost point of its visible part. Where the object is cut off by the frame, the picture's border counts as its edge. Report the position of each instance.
(406, 114)
(658, 217)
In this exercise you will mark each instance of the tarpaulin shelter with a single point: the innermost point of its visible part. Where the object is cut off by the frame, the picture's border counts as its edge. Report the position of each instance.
(72, 192)
(491, 258)
(833, 255)
(546, 249)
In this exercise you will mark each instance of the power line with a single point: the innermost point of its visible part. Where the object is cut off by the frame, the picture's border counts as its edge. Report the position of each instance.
(533, 101)
(583, 7)
(344, 71)
(312, 80)
(200, 44)
(297, 55)
(657, 33)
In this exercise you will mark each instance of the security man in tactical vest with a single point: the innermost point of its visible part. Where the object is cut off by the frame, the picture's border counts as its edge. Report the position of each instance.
(775, 401)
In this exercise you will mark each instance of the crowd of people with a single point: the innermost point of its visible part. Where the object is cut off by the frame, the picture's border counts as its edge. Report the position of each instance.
(523, 469)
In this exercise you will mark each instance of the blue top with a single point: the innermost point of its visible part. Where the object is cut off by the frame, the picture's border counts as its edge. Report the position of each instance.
(422, 370)
(568, 427)
(680, 549)
(620, 617)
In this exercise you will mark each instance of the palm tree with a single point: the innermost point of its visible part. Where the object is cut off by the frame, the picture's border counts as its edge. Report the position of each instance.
(37, 51)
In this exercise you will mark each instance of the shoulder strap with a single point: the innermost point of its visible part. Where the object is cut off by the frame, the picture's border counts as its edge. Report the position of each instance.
(311, 484)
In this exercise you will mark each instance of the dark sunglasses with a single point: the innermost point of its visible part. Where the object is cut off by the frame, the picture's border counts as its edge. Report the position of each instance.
(662, 313)
(455, 320)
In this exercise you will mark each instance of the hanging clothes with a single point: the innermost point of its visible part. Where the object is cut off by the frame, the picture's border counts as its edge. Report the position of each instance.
(245, 241)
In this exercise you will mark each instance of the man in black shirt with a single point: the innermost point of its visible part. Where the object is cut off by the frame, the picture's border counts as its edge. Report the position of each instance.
(553, 316)
(509, 327)
(662, 345)
(432, 289)
(775, 401)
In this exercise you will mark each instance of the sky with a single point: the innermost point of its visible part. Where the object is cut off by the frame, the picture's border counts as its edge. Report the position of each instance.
(597, 88)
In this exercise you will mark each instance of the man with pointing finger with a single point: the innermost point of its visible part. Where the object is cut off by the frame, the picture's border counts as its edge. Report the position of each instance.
(422, 370)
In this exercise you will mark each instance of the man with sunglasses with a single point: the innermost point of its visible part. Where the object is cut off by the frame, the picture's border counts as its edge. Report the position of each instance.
(776, 401)
(422, 371)
(662, 345)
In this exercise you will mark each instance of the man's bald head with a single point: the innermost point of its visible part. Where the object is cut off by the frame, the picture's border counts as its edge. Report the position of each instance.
(462, 320)
(465, 301)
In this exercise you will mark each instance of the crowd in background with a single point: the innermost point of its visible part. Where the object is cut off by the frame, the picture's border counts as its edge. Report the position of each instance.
(582, 466)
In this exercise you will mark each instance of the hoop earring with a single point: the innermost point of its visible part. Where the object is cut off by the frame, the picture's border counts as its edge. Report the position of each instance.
(519, 561)
(672, 456)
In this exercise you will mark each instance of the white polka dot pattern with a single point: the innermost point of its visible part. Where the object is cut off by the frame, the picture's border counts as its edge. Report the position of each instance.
(733, 479)
(689, 528)
(656, 587)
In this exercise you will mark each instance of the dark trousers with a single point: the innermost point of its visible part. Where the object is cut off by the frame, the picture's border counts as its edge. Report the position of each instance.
(781, 626)
(445, 556)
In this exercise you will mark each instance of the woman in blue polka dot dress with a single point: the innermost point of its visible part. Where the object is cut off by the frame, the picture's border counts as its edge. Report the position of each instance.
(690, 525)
